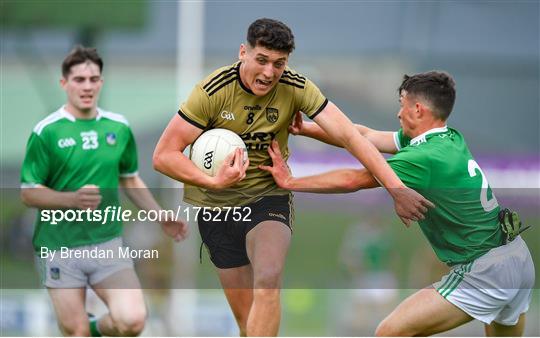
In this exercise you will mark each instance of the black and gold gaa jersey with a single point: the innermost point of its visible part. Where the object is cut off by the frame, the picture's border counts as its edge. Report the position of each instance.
(222, 101)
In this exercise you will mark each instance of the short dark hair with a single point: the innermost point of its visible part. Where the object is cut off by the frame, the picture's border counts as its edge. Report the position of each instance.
(78, 55)
(271, 34)
(437, 87)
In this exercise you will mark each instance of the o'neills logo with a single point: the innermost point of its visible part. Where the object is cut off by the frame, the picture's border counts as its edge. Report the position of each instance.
(277, 215)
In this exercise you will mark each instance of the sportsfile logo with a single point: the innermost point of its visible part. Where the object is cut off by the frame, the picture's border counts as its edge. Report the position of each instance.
(227, 115)
(66, 142)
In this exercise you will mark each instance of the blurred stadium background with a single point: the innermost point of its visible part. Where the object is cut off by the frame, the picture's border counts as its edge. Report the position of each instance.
(351, 260)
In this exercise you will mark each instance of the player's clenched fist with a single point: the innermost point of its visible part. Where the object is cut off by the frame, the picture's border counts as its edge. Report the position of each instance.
(297, 124)
(410, 206)
(87, 197)
(232, 170)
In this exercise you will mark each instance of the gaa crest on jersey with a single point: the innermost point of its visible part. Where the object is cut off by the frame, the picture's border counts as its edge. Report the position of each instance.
(66, 142)
(272, 115)
(111, 138)
(229, 116)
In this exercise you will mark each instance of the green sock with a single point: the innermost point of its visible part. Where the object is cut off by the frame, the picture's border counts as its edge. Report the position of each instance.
(94, 329)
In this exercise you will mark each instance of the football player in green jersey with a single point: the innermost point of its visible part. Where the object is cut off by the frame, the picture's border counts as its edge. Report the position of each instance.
(76, 158)
(492, 272)
(257, 98)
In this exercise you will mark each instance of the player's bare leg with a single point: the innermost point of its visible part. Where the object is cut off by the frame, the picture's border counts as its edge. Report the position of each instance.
(499, 330)
(238, 287)
(123, 296)
(422, 314)
(267, 245)
(69, 305)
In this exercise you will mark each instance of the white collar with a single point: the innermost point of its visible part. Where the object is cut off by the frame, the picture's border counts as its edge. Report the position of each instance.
(422, 137)
(72, 118)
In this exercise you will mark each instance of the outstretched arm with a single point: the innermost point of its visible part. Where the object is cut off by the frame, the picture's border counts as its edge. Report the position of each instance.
(331, 182)
(382, 140)
(409, 205)
(336, 181)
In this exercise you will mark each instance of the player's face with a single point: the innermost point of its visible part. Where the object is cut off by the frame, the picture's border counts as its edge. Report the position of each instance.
(261, 68)
(406, 114)
(82, 86)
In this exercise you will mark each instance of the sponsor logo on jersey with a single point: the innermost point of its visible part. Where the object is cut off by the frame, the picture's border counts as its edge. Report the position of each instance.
(272, 115)
(227, 115)
(111, 139)
(262, 140)
(258, 136)
(66, 142)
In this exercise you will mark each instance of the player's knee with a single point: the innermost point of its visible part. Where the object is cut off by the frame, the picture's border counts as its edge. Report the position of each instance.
(130, 323)
(130, 327)
(269, 278)
(267, 295)
(75, 327)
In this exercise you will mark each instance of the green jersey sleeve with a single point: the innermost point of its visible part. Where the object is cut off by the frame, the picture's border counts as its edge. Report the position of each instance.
(401, 140)
(128, 162)
(197, 109)
(412, 167)
(312, 101)
(35, 168)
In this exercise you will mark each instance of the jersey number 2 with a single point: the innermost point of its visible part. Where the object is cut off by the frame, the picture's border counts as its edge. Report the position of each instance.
(488, 205)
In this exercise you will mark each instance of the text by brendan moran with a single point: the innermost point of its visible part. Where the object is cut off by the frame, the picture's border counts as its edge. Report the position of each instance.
(97, 253)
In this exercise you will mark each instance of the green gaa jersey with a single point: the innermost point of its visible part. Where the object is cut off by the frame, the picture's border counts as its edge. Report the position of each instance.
(438, 164)
(64, 154)
(222, 101)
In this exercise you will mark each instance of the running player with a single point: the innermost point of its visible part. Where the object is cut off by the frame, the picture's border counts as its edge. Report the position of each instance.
(492, 273)
(75, 159)
(257, 98)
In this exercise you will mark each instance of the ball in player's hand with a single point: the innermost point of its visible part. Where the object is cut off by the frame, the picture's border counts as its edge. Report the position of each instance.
(212, 147)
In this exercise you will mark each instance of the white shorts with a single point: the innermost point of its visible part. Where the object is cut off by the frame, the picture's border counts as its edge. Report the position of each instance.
(494, 287)
(81, 266)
